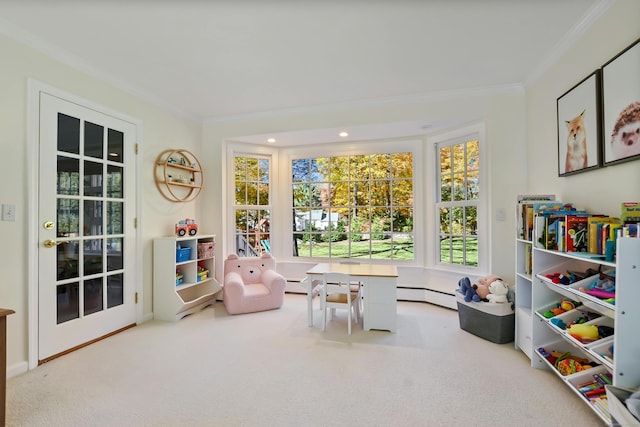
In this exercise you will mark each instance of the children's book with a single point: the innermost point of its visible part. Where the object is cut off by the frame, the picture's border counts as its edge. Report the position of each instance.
(546, 217)
(525, 212)
(630, 212)
(576, 234)
(598, 232)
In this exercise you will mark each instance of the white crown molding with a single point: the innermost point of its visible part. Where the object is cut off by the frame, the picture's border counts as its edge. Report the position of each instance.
(576, 32)
(515, 88)
(79, 64)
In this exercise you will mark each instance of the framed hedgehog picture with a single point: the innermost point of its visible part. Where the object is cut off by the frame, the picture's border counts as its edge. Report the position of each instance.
(621, 106)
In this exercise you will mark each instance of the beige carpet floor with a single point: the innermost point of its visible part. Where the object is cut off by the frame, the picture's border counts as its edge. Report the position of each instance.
(271, 369)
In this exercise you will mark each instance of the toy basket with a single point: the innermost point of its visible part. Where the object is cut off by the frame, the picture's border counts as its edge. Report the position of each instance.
(205, 250)
(183, 254)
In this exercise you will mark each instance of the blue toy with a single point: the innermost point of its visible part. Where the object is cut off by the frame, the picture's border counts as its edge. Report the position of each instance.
(466, 289)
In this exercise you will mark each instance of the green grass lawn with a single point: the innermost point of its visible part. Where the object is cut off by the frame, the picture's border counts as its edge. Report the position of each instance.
(374, 249)
(387, 249)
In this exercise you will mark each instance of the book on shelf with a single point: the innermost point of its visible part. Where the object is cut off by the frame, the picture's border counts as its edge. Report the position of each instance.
(576, 233)
(630, 212)
(553, 227)
(550, 224)
(524, 219)
(537, 211)
(600, 229)
(630, 217)
(528, 258)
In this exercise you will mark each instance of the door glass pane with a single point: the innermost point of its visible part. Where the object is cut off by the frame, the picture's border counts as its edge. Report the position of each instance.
(92, 295)
(115, 144)
(93, 256)
(67, 260)
(68, 217)
(68, 134)
(68, 176)
(114, 181)
(68, 303)
(114, 254)
(92, 218)
(92, 179)
(114, 217)
(93, 140)
(115, 290)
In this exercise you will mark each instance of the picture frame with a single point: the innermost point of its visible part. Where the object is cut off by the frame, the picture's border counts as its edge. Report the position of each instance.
(621, 106)
(579, 123)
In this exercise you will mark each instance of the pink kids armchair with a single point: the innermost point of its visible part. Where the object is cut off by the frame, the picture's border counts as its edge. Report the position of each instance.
(251, 284)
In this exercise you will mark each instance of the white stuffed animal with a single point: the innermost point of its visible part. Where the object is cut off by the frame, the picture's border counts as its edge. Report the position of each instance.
(499, 291)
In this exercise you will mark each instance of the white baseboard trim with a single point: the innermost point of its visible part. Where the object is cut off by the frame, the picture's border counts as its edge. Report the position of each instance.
(17, 369)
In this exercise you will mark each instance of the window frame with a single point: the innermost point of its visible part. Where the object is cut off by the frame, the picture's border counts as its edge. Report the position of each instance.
(473, 132)
(413, 145)
(245, 150)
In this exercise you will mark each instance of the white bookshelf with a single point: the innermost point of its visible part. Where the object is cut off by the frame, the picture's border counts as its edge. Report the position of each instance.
(173, 301)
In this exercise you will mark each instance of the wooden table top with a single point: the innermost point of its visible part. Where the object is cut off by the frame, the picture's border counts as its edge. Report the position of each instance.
(374, 270)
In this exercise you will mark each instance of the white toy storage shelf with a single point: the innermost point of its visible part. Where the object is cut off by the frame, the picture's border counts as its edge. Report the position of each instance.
(183, 275)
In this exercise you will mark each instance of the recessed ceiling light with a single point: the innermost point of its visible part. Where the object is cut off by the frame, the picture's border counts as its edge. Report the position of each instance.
(271, 140)
(343, 134)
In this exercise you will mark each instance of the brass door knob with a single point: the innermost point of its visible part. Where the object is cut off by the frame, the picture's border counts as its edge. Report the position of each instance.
(51, 243)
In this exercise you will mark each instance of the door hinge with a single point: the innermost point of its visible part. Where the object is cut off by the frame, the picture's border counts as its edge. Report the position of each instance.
(136, 148)
(135, 222)
(136, 297)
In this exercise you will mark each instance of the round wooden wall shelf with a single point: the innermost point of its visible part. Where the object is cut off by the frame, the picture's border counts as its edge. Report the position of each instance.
(178, 175)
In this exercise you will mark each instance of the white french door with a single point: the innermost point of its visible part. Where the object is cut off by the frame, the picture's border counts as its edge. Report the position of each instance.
(86, 237)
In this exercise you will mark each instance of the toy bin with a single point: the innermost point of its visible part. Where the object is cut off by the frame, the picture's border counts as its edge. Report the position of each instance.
(494, 322)
(183, 254)
(205, 250)
(623, 408)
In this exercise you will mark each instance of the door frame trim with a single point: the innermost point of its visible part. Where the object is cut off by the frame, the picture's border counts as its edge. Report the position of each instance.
(34, 89)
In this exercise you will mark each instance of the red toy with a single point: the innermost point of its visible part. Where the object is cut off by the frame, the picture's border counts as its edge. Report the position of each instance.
(186, 226)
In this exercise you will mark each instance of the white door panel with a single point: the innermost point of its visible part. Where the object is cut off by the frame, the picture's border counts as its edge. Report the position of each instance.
(86, 211)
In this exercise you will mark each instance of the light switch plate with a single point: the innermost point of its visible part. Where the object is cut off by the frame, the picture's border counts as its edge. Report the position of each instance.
(8, 212)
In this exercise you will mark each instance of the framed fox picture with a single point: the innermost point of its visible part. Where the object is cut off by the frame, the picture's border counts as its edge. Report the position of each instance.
(579, 127)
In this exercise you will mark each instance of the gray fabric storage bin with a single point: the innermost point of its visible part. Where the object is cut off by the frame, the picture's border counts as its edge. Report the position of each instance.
(494, 322)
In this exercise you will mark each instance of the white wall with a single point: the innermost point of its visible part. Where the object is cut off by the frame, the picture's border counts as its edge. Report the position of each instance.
(601, 190)
(161, 130)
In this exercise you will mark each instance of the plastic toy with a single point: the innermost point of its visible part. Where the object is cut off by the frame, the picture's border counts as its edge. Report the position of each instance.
(563, 306)
(203, 272)
(559, 278)
(465, 288)
(570, 366)
(583, 333)
(567, 305)
(186, 226)
(559, 323)
(555, 357)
